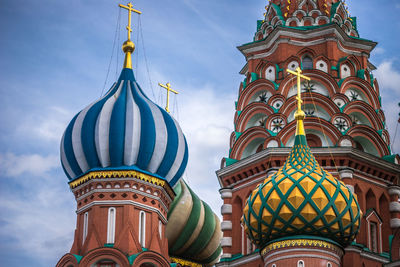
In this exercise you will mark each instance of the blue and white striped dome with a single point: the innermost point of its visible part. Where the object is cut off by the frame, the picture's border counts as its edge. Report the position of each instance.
(124, 130)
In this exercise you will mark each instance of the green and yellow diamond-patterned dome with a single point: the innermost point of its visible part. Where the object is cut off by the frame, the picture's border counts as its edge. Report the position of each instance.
(301, 199)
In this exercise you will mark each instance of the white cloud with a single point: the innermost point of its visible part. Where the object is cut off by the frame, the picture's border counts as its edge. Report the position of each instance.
(39, 221)
(379, 50)
(206, 119)
(48, 125)
(389, 84)
(34, 164)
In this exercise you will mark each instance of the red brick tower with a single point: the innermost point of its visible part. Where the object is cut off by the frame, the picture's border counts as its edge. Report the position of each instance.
(345, 125)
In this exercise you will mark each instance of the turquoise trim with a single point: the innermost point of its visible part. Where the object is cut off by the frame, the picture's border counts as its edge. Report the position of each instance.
(276, 85)
(132, 257)
(78, 257)
(234, 257)
(361, 74)
(334, 9)
(236, 103)
(389, 158)
(254, 76)
(109, 245)
(272, 133)
(340, 82)
(173, 264)
(259, 24)
(239, 112)
(390, 246)
(229, 161)
(354, 22)
(237, 135)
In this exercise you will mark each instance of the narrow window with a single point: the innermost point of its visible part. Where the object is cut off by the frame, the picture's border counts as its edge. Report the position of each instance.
(300, 263)
(85, 226)
(111, 226)
(373, 236)
(248, 246)
(160, 228)
(307, 63)
(329, 264)
(142, 228)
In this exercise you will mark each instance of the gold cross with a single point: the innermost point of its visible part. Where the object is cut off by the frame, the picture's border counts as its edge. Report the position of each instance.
(299, 114)
(168, 87)
(130, 9)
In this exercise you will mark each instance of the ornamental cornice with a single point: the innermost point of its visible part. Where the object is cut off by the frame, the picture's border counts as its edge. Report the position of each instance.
(276, 38)
(284, 151)
(118, 174)
(301, 243)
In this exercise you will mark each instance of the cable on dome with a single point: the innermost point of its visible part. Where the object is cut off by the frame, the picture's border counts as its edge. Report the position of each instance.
(112, 51)
(119, 36)
(323, 132)
(137, 50)
(145, 58)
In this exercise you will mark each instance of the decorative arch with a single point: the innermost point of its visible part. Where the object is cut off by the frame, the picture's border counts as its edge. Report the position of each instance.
(369, 139)
(249, 112)
(99, 254)
(247, 138)
(67, 260)
(237, 206)
(364, 87)
(150, 257)
(323, 78)
(366, 110)
(252, 89)
(309, 99)
(370, 200)
(313, 126)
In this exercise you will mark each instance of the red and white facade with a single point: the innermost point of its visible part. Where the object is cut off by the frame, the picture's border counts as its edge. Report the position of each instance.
(344, 123)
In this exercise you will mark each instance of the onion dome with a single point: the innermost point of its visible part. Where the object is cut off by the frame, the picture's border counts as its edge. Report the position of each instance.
(124, 130)
(301, 199)
(193, 230)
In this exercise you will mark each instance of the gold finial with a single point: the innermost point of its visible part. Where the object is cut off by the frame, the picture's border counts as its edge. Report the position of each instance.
(128, 47)
(168, 87)
(299, 114)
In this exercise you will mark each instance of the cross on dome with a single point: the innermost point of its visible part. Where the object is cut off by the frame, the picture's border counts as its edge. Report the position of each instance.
(299, 114)
(169, 89)
(128, 47)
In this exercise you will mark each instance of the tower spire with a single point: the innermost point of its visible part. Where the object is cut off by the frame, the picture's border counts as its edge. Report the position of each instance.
(299, 114)
(128, 47)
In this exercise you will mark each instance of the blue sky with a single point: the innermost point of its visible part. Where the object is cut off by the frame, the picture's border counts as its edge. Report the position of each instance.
(55, 56)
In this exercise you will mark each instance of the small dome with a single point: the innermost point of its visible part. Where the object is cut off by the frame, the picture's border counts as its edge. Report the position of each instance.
(124, 130)
(301, 199)
(193, 230)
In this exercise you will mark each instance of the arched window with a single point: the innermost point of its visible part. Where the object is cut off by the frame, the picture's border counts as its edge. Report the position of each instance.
(142, 228)
(300, 263)
(85, 226)
(111, 225)
(307, 63)
(329, 264)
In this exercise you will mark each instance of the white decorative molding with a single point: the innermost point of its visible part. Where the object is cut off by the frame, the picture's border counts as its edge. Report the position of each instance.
(122, 202)
(226, 209)
(346, 173)
(394, 190)
(225, 193)
(226, 225)
(226, 242)
(226, 255)
(395, 223)
(394, 206)
(271, 172)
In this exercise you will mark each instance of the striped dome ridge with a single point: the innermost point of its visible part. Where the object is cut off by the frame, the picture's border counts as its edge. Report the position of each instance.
(193, 230)
(124, 130)
(301, 199)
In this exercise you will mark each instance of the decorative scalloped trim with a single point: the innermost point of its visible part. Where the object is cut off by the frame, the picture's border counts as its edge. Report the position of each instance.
(122, 174)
